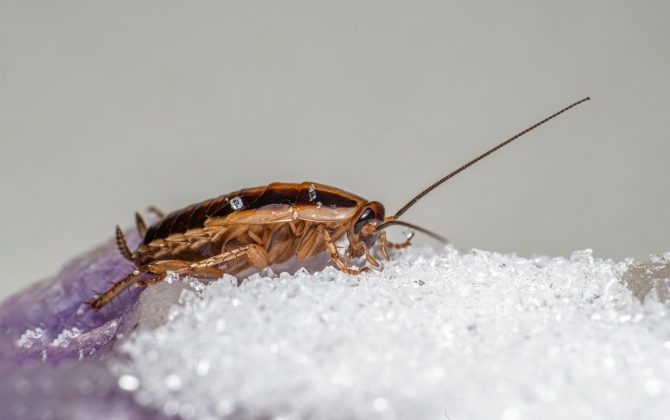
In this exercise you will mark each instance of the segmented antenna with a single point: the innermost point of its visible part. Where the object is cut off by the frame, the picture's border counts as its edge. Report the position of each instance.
(480, 157)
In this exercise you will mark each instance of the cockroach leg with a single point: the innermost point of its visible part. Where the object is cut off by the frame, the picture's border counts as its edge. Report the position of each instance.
(183, 267)
(258, 257)
(209, 267)
(382, 247)
(294, 229)
(122, 244)
(335, 256)
(156, 212)
(149, 282)
(117, 288)
(141, 226)
(297, 229)
(255, 237)
(372, 260)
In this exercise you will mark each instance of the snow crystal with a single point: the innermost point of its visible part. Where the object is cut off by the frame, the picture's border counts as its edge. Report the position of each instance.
(436, 334)
(236, 203)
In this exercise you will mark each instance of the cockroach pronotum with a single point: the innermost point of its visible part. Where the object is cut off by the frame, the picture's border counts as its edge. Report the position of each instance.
(256, 227)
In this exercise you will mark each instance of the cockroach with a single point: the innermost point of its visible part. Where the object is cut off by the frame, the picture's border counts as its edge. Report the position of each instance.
(256, 227)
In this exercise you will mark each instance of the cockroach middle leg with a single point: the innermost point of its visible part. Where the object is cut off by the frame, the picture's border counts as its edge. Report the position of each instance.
(335, 256)
(122, 244)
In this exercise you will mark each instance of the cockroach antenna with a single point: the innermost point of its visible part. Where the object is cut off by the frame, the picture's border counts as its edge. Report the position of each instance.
(392, 220)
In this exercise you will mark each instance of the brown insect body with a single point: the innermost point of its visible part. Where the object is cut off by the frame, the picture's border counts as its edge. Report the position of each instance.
(280, 217)
(260, 226)
(251, 228)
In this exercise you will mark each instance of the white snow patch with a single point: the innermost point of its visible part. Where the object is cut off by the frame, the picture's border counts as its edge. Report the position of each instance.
(437, 334)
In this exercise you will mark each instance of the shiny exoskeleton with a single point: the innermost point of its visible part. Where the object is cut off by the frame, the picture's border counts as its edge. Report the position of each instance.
(260, 226)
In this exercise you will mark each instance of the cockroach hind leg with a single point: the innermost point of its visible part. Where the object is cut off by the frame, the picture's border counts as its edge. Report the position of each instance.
(96, 294)
(150, 282)
(108, 296)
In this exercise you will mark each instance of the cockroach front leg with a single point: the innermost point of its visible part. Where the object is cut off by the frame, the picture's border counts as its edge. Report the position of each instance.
(335, 256)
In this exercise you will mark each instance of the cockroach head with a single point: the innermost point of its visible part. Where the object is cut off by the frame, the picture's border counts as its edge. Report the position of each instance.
(366, 222)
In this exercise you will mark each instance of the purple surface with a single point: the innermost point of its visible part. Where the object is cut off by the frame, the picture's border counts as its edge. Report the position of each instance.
(53, 348)
(55, 304)
(71, 390)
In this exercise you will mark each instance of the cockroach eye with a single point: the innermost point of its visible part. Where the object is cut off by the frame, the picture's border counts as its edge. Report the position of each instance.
(367, 215)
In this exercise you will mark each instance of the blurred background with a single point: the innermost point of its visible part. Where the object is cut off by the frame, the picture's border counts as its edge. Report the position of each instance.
(107, 107)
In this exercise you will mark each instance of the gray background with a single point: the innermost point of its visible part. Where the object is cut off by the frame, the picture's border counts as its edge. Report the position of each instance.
(108, 107)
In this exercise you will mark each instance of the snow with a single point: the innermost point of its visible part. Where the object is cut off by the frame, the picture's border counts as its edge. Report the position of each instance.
(436, 334)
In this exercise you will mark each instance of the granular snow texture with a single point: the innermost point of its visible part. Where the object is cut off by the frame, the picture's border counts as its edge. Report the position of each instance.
(436, 334)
